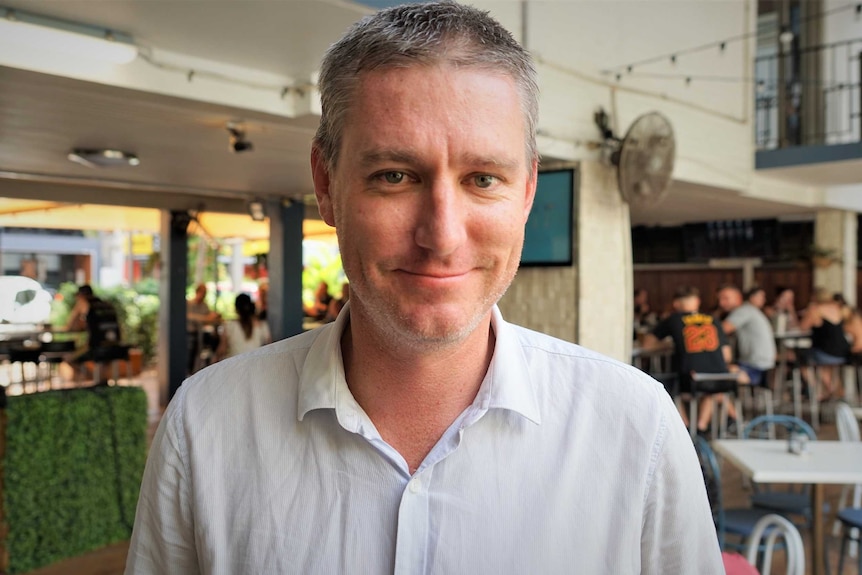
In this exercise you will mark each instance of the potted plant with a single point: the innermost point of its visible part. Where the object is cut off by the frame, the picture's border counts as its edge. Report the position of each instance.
(823, 257)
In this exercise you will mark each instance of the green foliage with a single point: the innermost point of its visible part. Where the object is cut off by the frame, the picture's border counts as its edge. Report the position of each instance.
(72, 471)
(322, 265)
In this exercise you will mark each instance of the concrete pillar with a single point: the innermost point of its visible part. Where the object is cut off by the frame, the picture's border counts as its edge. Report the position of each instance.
(589, 302)
(237, 269)
(835, 230)
(604, 259)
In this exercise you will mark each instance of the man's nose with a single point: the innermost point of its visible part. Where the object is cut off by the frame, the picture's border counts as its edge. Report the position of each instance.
(441, 227)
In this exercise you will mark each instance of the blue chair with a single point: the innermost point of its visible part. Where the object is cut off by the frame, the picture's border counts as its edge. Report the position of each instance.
(851, 520)
(738, 523)
(793, 500)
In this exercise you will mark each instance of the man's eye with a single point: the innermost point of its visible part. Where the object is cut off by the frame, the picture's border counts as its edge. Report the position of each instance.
(485, 181)
(393, 177)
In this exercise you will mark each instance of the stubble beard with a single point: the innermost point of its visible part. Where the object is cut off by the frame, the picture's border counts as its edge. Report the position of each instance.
(397, 330)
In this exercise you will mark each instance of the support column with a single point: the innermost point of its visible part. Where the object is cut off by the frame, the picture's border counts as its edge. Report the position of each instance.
(173, 345)
(237, 269)
(284, 303)
(835, 230)
(604, 260)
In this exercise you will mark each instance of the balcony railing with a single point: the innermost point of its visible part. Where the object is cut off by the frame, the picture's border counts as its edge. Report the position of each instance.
(809, 96)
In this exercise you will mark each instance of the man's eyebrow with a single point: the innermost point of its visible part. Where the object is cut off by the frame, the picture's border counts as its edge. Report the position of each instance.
(490, 162)
(477, 161)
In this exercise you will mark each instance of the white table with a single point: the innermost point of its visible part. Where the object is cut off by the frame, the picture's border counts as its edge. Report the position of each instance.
(826, 463)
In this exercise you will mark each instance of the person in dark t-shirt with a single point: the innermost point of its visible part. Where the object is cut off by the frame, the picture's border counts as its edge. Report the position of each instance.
(700, 345)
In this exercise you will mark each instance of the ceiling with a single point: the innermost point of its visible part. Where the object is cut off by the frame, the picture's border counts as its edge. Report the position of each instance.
(183, 144)
(689, 203)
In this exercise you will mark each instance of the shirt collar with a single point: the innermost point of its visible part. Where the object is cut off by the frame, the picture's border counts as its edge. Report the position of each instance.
(507, 385)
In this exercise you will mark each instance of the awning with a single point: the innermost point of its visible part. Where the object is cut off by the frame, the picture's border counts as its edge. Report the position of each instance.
(53, 215)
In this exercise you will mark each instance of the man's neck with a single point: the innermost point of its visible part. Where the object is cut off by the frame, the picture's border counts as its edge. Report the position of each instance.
(412, 396)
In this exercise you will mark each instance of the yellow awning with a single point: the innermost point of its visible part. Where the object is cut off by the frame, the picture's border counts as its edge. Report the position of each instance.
(54, 215)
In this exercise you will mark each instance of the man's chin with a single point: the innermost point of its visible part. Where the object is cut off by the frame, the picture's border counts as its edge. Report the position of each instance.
(427, 326)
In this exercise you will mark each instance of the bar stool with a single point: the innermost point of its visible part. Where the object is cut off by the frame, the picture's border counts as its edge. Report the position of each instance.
(53, 354)
(109, 355)
(704, 384)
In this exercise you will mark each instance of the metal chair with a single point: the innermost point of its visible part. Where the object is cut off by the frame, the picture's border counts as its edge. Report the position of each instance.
(706, 384)
(53, 353)
(848, 430)
(737, 522)
(763, 541)
(109, 355)
(851, 520)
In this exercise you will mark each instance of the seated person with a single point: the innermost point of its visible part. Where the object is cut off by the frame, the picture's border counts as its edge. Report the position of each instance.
(245, 333)
(98, 318)
(336, 304)
(198, 311)
(782, 312)
(317, 310)
(755, 339)
(853, 331)
(198, 315)
(829, 346)
(700, 346)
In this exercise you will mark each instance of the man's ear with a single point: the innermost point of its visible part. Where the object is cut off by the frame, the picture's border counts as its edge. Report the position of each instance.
(530, 191)
(320, 175)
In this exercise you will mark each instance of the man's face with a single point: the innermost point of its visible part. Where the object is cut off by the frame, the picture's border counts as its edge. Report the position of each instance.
(429, 198)
(729, 299)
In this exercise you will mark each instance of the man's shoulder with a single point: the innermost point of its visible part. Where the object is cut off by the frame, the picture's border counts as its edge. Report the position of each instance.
(276, 364)
(557, 352)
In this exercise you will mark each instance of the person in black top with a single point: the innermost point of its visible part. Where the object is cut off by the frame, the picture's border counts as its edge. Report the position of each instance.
(98, 318)
(829, 345)
(700, 346)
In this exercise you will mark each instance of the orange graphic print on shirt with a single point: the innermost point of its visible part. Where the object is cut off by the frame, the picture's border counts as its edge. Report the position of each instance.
(700, 334)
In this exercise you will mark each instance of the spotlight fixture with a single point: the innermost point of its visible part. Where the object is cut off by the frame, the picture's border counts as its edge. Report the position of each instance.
(257, 210)
(237, 139)
(26, 31)
(102, 158)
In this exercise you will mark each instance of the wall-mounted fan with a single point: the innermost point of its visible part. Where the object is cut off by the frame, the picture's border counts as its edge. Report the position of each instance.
(644, 157)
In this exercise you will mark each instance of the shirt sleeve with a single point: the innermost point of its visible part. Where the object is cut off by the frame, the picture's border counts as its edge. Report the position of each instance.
(678, 531)
(738, 317)
(163, 535)
(662, 330)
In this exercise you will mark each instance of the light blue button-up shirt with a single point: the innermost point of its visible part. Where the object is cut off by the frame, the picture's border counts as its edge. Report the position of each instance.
(566, 462)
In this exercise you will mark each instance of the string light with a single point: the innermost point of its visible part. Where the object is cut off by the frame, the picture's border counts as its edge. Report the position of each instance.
(192, 74)
(722, 44)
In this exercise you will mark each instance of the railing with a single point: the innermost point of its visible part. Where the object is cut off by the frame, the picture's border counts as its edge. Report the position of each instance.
(809, 96)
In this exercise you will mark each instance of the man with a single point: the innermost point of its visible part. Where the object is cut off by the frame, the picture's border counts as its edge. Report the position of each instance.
(419, 432)
(754, 336)
(202, 340)
(700, 346)
(95, 316)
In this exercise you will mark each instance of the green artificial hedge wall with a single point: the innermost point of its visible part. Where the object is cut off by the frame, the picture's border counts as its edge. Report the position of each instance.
(71, 471)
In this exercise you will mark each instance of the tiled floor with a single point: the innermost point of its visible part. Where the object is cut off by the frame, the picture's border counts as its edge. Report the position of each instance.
(111, 560)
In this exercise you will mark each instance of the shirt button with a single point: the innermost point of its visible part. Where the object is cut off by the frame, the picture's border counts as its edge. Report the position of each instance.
(415, 485)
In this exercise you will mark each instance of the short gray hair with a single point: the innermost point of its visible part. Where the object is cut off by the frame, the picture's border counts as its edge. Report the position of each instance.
(423, 34)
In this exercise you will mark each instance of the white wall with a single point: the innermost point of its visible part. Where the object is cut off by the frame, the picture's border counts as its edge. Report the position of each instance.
(576, 42)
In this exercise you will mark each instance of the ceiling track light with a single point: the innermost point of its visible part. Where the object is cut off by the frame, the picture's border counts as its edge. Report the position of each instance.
(103, 158)
(39, 33)
(237, 139)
